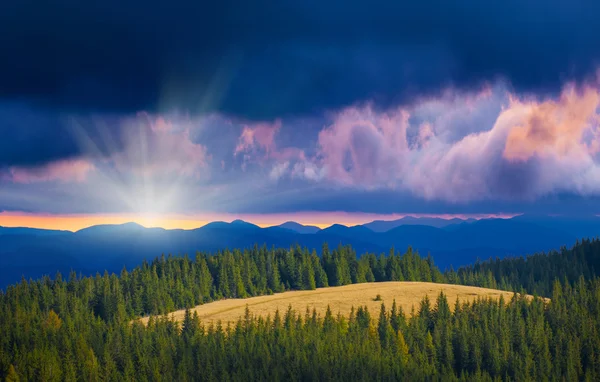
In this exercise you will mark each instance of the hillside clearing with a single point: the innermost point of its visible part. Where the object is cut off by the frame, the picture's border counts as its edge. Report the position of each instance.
(341, 299)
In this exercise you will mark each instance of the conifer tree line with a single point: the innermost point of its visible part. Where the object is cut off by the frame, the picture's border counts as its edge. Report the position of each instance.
(533, 274)
(484, 340)
(173, 282)
(80, 328)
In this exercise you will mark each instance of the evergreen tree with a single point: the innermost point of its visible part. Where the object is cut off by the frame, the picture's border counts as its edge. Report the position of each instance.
(320, 275)
(12, 375)
(205, 279)
(86, 328)
(308, 275)
(274, 281)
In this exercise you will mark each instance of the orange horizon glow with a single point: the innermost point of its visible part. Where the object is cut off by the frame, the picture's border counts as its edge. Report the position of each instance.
(75, 222)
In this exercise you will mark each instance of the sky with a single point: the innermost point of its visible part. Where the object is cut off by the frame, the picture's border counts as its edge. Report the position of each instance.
(175, 114)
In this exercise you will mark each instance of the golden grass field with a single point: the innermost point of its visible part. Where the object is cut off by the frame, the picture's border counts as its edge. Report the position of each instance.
(340, 299)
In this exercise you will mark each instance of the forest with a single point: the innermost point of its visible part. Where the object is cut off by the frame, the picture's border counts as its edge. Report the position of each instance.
(81, 328)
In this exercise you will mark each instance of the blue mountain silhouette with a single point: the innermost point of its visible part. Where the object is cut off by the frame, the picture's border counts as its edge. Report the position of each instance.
(31, 253)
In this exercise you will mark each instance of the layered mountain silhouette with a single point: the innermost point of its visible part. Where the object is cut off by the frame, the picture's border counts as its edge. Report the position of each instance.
(299, 228)
(31, 253)
(386, 225)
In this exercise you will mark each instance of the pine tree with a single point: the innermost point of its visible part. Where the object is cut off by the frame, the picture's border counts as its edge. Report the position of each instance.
(386, 333)
(205, 279)
(308, 276)
(274, 282)
(403, 350)
(223, 281)
(12, 375)
(320, 275)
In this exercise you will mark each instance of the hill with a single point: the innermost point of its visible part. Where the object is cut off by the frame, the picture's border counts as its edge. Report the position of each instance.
(30, 231)
(340, 299)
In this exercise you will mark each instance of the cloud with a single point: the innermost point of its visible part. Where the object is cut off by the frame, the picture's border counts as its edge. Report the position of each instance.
(455, 114)
(479, 150)
(531, 148)
(267, 60)
(148, 146)
(157, 145)
(75, 170)
(425, 133)
(554, 127)
(363, 147)
(260, 136)
(279, 170)
(257, 144)
(33, 136)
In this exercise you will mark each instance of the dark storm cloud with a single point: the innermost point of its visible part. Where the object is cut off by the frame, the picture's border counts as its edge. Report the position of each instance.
(30, 138)
(35, 136)
(393, 201)
(270, 59)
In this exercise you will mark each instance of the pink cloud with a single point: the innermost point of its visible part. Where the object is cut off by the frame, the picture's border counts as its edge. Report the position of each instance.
(363, 147)
(503, 163)
(425, 134)
(258, 136)
(554, 127)
(257, 144)
(524, 149)
(70, 170)
(288, 153)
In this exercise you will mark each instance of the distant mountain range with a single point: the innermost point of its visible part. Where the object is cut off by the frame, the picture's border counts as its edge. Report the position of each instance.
(34, 252)
(386, 225)
(297, 227)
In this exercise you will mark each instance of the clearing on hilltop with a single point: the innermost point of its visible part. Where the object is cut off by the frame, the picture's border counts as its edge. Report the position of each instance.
(340, 299)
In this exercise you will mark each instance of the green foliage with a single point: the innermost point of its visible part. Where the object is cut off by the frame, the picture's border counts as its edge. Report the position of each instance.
(81, 328)
(518, 340)
(536, 274)
(11, 375)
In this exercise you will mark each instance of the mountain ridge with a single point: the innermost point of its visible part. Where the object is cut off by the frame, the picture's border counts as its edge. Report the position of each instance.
(300, 228)
(113, 247)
